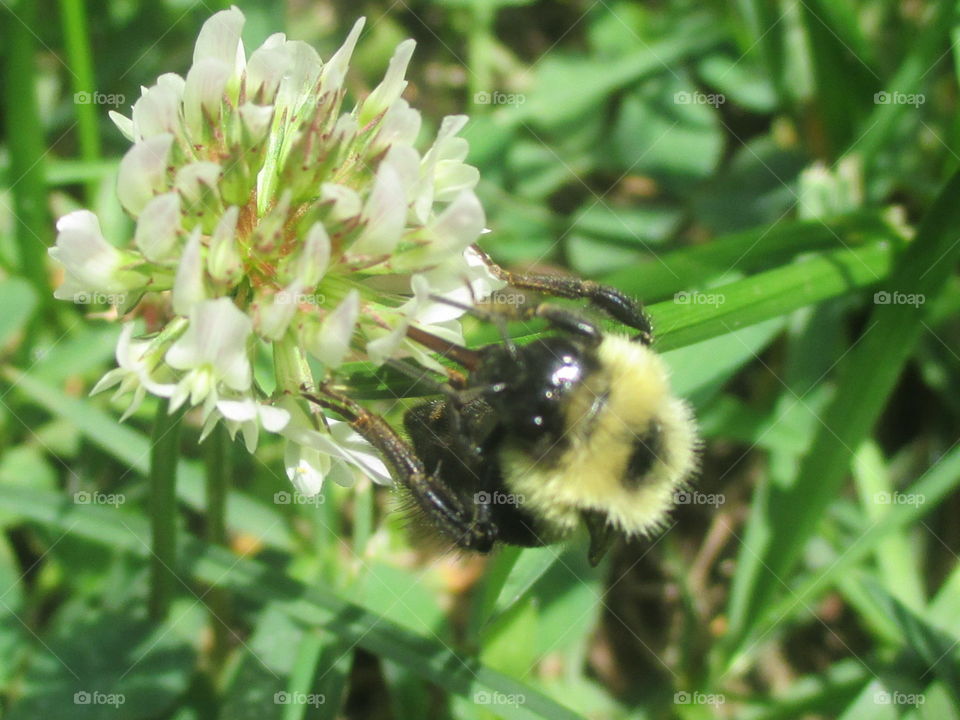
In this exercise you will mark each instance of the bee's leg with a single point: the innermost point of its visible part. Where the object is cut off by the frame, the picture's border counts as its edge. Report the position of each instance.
(568, 321)
(613, 302)
(456, 400)
(457, 515)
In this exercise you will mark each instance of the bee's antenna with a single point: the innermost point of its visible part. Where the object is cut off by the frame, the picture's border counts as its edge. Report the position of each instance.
(470, 359)
(486, 315)
(420, 375)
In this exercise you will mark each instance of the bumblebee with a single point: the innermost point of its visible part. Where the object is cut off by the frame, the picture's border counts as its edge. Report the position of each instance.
(577, 427)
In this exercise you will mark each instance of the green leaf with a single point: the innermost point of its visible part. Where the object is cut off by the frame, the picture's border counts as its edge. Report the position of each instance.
(633, 226)
(88, 350)
(568, 87)
(696, 380)
(934, 647)
(935, 485)
(740, 82)
(756, 187)
(669, 130)
(897, 560)
(532, 565)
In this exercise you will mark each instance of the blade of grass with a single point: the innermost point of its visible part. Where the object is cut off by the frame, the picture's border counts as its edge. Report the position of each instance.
(218, 466)
(695, 317)
(885, 120)
(332, 675)
(784, 518)
(895, 558)
(821, 694)
(541, 107)
(938, 482)
(25, 143)
(842, 81)
(73, 20)
(766, 33)
(18, 300)
(699, 316)
(935, 648)
(761, 248)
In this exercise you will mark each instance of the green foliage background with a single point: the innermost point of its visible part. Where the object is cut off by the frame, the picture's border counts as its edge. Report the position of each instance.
(772, 178)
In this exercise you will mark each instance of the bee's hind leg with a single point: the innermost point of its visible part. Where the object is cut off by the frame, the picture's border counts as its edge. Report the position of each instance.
(460, 517)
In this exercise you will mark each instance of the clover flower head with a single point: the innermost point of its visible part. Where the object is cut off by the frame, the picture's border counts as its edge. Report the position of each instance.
(269, 216)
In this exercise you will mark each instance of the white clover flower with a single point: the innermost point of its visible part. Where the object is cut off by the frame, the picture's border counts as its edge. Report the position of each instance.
(212, 353)
(269, 214)
(92, 264)
(137, 361)
(312, 454)
(247, 416)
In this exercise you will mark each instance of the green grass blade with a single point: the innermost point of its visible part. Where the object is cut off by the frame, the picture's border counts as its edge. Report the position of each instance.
(25, 143)
(934, 648)
(886, 119)
(747, 251)
(699, 316)
(164, 451)
(79, 56)
(892, 330)
(895, 558)
(941, 480)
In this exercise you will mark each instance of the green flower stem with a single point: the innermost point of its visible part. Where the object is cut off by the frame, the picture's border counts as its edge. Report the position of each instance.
(164, 453)
(77, 39)
(218, 470)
